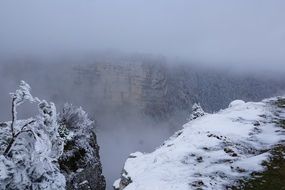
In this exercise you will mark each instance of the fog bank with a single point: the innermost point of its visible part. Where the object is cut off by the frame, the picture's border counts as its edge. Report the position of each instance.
(241, 33)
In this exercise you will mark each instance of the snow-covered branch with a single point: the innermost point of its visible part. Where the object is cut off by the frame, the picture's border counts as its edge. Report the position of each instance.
(30, 158)
(19, 97)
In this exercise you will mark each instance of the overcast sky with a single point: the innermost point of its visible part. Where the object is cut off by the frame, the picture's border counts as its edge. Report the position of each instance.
(241, 32)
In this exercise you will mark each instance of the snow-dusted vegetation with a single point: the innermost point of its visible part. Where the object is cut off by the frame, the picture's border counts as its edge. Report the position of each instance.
(214, 151)
(80, 161)
(30, 148)
(40, 152)
(197, 111)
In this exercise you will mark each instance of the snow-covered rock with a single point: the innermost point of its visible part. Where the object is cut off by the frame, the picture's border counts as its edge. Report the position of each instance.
(80, 161)
(214, 151)
(236, 103)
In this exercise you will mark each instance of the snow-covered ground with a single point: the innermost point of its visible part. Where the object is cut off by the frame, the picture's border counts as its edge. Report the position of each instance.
(210, 152)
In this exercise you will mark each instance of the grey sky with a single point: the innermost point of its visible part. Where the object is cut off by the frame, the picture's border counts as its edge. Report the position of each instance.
(241, 32)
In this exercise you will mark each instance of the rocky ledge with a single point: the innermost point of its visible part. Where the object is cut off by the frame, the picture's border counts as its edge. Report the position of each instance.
(241, 147)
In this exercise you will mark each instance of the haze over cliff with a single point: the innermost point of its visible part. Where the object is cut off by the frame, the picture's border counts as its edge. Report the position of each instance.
(141, 99)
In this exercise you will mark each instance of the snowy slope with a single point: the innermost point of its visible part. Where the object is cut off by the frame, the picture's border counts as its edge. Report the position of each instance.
(211, 152)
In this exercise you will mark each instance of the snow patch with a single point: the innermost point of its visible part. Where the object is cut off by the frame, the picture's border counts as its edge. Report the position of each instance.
(236, 103)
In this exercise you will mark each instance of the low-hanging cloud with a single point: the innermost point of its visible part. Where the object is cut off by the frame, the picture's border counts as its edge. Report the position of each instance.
(221, 32)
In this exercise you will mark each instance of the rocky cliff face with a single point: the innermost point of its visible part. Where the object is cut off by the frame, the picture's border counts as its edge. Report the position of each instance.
(81, 172)
(160, 90)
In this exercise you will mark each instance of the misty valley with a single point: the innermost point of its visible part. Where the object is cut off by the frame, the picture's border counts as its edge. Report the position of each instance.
(136, 102)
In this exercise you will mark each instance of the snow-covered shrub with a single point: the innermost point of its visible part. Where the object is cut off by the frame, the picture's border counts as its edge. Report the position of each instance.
(74, 125)
(80, 161)
(75, 120)
(197, 111)
(29, 153)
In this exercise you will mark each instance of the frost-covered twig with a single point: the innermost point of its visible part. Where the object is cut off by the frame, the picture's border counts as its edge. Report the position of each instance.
(17, 134)
(13, 116)
(27, 124)
(19, 97)
(7, 150)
